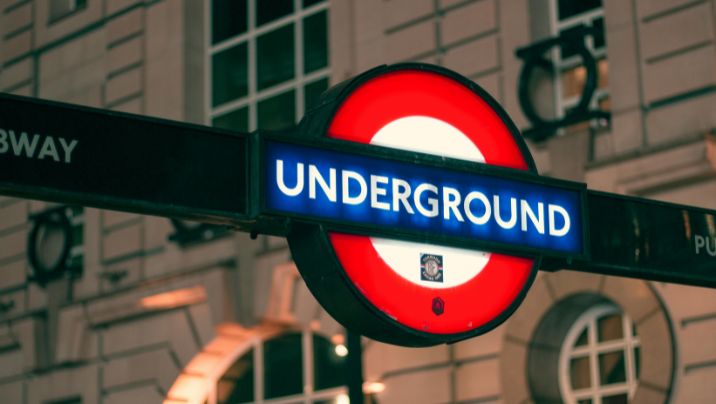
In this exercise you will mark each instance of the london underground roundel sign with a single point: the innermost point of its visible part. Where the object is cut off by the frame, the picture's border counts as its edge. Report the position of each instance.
(402, 292)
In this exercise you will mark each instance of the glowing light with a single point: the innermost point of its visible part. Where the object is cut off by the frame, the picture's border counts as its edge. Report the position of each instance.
(337, 339)
(342, 399)
(373, 387)
(341, 350)
(174, 298)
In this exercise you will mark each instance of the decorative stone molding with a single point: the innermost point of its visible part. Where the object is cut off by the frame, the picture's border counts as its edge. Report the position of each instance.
(561, 297)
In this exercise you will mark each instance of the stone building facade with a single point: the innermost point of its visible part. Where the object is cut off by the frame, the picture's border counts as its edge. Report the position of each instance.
(159, 311)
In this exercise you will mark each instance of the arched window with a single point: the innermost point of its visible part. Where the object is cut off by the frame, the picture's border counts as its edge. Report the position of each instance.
(599, 360)
(291, 368)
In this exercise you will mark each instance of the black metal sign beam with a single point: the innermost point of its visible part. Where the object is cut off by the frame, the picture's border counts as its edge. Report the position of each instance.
(646, 239)
(73, 154)
(93, 157)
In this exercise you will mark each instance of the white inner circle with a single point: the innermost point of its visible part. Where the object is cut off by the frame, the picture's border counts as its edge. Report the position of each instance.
(429, 135)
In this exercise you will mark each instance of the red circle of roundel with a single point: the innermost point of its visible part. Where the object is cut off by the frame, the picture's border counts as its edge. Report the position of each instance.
(488, 296)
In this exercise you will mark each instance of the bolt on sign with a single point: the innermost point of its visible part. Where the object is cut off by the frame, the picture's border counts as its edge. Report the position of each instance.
(410, 201)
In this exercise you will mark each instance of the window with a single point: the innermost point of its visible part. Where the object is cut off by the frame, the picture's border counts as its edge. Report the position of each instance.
(292, 368)
(60, 9)
(599, 360)
(269, 62)
(569, 16)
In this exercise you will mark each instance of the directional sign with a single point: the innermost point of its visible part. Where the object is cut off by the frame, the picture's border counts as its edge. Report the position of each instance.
(390, 288)
(646, 239)
(107, 159)
(411, 204)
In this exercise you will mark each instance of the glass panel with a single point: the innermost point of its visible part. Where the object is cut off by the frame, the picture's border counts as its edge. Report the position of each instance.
(587, 401)
(619, 399)
(278, 112)
(237, 384)
(599, 40)
(283, 369)
(267, 11)
(603, 73)
(312, 92)
(566, 52)
(236, 120)
(315, 42)
(309, 3)
(275, 57)
(579, 373)
(228, 18)
(637, 361)
(329, 367)
(229, 72)
(570, 8)
(582, 340)
(611, 368)
(610, 327)
(573, 81)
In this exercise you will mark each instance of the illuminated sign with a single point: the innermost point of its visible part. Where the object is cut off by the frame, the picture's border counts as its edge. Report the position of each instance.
(380, 195)
(385, 286)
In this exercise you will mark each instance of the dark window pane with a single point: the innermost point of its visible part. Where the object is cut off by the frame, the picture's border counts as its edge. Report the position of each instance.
(237, 384)
(599, 40)
(570, 8)
(315, 42)
(586, 401)
(229, 73)
(579, 373)
(312, 93)
(582, 340)
(309, 3)
(275, 57)
(278, 112)
(269, 10)
(610, 327)
(611, 368)
(619, 399)
(283, 368)
(566, 51)
(637, 361)
(329, 368)
(228, 18)
(235, 120)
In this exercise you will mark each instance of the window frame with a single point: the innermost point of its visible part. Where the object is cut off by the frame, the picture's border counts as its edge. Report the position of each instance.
(561, 103)
(308, 396)
(627, 344)
(254, 96)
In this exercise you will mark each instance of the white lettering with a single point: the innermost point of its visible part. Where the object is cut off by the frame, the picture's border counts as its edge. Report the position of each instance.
(375, 192)
(451, 200)
(345, 182)
(699, 242)
(537, 220)
(4, 146)
(401, 193)
(513, 213)
(49, 149)
(298, 188)
(433, 202)
(68, 148)
(708, 246)
(479, 220)
(553, 231)
(22, 142)
(315, 177)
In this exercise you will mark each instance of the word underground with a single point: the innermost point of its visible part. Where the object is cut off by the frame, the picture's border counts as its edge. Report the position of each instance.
(396, 194)
(366, 190)
(36, 146)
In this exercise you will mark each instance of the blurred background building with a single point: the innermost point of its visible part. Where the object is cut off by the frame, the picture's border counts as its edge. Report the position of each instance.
(152, 310)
